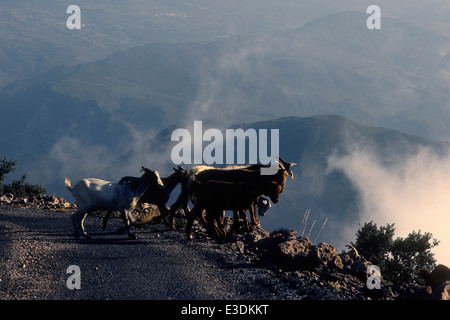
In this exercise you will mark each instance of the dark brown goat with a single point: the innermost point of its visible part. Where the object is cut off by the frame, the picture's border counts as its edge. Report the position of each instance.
(215, 190)
(248, 174)
(158, 197)
(215, 196)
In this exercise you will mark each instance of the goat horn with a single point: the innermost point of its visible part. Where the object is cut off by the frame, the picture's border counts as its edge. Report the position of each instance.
(280, 164)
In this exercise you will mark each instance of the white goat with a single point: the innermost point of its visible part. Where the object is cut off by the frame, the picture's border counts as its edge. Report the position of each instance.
(94, 194)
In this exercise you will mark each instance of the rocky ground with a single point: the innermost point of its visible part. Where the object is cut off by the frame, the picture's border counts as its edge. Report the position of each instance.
(38, 243)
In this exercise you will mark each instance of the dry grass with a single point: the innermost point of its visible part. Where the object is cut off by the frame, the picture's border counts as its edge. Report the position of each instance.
(304, 226)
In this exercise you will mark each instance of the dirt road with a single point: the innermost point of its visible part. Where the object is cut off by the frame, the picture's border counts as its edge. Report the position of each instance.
(37, 247)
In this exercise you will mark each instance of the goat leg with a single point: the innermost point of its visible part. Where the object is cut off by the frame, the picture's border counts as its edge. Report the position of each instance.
(203, 220)
(237, 215)
(164, 214)
(78, 223)
(210, 225)
(127, 220)
(254, 218)
(196, 211)
(171, 222)
(235, 226)
(181, 201)
(105, 219)
(213, 220)
(214, 231)
(217, 232)
(243, 215)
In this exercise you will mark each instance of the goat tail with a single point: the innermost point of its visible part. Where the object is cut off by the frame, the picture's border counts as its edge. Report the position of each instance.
(68, 184)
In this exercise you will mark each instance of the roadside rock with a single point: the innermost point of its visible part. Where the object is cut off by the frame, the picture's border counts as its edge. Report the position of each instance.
(294, 254)
(52, 200)
(325, 255)
(290, 253)
(6, 198)
(318, 271)
(48, 202)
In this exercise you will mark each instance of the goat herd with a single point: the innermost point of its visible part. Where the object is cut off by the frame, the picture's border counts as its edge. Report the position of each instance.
(210, 189)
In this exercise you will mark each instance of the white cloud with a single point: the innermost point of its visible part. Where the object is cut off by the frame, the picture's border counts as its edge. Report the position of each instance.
(414, 193)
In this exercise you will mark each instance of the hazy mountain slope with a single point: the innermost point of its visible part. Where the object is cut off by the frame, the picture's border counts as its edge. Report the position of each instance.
(35, 128)
(34, 37)
(50, 133)
(394, 77)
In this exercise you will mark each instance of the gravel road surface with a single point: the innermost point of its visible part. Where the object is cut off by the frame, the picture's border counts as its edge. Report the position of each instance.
(37, 247)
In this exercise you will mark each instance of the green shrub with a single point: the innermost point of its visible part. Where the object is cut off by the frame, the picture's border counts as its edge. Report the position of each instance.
(22, 189)
(19, 188)
(399, 260)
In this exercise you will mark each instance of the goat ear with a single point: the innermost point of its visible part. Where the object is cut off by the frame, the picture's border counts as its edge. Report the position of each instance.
(292, 164)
